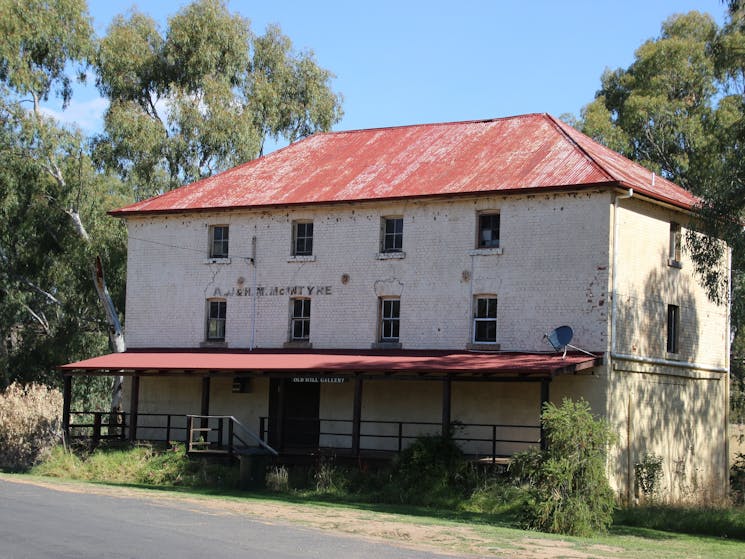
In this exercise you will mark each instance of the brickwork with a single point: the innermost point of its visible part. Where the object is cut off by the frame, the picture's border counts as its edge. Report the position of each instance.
(551, 269)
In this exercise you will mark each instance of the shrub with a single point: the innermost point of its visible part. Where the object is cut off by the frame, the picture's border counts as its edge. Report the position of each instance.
(328, 478)
(30, 424)
(737, 479)
(278, 479)
(430, 471)
(570, 493)
(648, 474)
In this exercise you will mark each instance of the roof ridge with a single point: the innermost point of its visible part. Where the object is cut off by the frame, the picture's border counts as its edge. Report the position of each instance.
(429, 124)
(554, 121)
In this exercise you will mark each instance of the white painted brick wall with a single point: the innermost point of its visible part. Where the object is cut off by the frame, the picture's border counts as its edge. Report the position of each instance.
(553, 271)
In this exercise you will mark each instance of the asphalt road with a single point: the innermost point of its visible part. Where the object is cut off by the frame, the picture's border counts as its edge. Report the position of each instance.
(40, 523)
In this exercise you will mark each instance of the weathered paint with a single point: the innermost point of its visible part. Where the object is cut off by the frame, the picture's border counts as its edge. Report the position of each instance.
(412, 362)
(533, 152)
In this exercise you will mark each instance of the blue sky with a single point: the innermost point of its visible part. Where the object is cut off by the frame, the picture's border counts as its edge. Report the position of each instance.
(409, 62)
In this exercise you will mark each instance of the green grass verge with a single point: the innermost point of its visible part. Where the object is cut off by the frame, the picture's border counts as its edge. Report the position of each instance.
(493, 505)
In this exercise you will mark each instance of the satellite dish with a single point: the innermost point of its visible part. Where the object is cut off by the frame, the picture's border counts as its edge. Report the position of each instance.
(560, 339)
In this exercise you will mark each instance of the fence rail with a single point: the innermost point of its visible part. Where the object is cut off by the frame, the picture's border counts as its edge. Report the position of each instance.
(483, 440)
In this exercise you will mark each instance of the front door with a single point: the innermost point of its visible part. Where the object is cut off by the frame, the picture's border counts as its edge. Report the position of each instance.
(293, 414)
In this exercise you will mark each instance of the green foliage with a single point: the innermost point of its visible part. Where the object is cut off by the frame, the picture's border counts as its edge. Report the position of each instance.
(278, 479)
(30, 425)
(648, 474)
(737, 479)
(716, 522)
(203, 96)
(38, 39)
(429, 471)
(678, 109)
(143, 464)
(569, 492)
(185, 103)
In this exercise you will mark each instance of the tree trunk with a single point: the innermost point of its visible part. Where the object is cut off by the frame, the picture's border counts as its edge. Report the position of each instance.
(116, 336)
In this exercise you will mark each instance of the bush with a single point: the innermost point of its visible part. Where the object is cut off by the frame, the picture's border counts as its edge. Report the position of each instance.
(570, 493)
(30, 424)
(737, 479)
(430, 471)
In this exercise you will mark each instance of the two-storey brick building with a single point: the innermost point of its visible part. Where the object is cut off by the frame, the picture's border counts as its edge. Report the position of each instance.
(356, 289)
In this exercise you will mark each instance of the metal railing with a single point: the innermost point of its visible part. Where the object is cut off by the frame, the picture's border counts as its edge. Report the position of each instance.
(484, 440)
(221, 434)
(227, 434)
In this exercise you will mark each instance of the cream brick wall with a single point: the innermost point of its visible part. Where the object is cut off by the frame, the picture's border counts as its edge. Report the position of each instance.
(553, 270)
(678, 417)
(647, 285)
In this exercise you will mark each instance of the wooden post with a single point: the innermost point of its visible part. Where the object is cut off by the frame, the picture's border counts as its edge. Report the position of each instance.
(357, 415)
(189, 425)
(134, 404)
(66, 403)
(205, 409)
(96, 429)
(280, 414)
(544, 399)
(446, 398)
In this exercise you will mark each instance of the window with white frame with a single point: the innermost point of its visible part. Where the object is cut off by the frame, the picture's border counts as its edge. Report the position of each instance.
(673, 328)
(216, 314)
(218, 241)
(488, 230)
(392, 230)
(485, 319)
(299, 319)
(390, 317)
(675, 244)
(302, 238)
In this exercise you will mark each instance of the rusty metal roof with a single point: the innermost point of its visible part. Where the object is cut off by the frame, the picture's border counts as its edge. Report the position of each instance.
(531, 152)
(336, 362)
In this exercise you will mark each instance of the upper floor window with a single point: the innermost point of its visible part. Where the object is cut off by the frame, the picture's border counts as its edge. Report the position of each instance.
(488, 232)
(673, 328)
(216, 314)
(392, 234)
(218, 241)
(485, 320)
(390, 317)
(302, 238)
(675, 244)
(300, 319)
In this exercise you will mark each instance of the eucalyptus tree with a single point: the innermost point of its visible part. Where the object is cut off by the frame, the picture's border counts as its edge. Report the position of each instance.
(52, 200)
(679, 109)
(202, 95)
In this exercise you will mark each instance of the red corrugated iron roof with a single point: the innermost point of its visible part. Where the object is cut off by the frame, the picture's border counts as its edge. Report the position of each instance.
(517, 364)
(528, 152)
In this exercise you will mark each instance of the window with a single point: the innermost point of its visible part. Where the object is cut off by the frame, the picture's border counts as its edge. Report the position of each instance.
(393, 234)
(216, 321)
(488, 233)
(390, 315)
(302, 238)
(218, 241)
(675, 242)
(673, 328)
(485, 320)
(300, 319)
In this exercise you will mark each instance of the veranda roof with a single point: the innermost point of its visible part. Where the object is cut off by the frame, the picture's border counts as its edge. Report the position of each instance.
(422, 363)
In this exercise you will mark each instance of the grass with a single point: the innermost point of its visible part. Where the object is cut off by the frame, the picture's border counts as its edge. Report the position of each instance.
(491, 512)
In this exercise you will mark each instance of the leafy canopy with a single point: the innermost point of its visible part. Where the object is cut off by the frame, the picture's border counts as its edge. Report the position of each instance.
(202, 96)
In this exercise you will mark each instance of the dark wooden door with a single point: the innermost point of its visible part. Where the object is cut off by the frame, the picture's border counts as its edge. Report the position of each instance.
(293, 414)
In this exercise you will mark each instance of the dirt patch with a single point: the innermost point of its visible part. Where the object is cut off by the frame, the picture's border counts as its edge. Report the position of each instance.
(457, 539)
